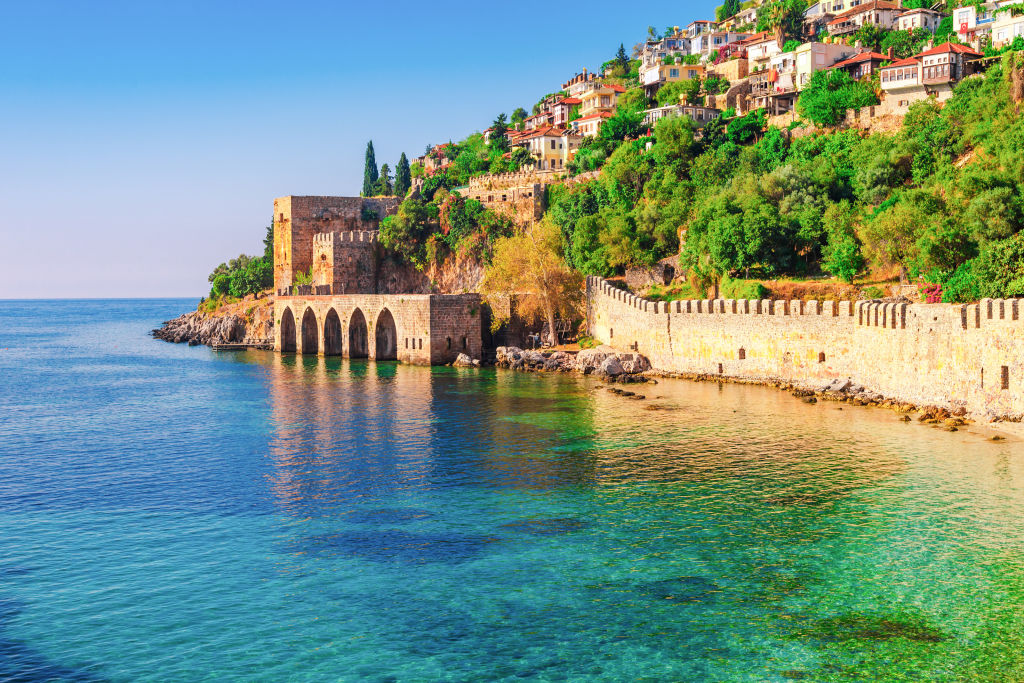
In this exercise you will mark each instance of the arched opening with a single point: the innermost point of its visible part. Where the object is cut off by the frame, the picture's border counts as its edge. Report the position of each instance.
(386, 337)
(332, 334)
(287, 330)
(310, 336)
(357, 340)
(821, 357)
(742, 354)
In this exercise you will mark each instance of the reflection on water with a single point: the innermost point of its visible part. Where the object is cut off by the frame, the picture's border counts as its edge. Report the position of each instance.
(171, 513)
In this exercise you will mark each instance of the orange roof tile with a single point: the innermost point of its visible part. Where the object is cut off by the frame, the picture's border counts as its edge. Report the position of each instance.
(950, 47)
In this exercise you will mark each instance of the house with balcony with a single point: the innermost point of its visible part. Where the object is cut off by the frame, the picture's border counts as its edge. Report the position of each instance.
(945, 65)
(706, 43)
(551, 148)
(811, 57)
(590, 125)
(881, 13)
(602, 98)
(657, 75)
(922, 17)
(932, 73)
(973, 23)
(816, 17)
(864, 64)
(561, 110)
(1006, 27)
(700, 116)
(777, 93)
(901, 85)
(760, 47)
(698, 27)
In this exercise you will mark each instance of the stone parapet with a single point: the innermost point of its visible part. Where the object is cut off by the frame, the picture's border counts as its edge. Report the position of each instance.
(969, 356)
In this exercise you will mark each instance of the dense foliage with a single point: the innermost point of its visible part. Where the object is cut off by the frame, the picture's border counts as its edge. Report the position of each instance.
(940, 200)
(245, 274)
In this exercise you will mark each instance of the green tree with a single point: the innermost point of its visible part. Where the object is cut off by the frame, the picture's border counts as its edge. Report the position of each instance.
(499, 129)
(369, 171)
(622, 59)
(403, 176)
(518, 116)
(384, 185)
(727, 9)
(829, 95)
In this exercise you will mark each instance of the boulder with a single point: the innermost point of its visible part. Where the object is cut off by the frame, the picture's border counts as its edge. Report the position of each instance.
(632, 363)
(839, 385)
(611, 366)
(464, 361)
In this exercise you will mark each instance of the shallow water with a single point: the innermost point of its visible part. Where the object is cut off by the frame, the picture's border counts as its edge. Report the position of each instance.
(174, 513)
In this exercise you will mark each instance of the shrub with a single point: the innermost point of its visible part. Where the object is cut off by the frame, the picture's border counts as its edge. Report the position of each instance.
(742, 289)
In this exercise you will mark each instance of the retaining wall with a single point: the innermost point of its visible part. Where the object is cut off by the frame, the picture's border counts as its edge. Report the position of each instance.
(969, 356)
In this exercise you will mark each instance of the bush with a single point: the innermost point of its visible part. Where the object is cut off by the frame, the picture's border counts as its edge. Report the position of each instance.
(742, 289)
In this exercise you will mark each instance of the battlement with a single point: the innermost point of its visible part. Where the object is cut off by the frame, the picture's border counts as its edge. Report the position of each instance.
(955, 355)
(497, 181)
(346, 237)
(867, 313)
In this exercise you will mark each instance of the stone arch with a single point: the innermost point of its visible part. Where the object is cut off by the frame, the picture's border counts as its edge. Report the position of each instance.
(386, 337)
(357, 337)
(287, 330)
(310, 332)
(332, 334)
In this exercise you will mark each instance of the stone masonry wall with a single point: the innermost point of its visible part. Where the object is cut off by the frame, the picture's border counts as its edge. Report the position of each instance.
(423, 324)
(298, 219)
(935, 354)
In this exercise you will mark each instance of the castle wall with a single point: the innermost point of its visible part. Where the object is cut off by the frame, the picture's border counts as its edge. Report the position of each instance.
(346, 261)
(298, 219)
(936, 354)
(424, 323)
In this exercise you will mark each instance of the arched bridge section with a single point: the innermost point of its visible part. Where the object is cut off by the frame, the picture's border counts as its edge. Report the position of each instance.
(412, 328)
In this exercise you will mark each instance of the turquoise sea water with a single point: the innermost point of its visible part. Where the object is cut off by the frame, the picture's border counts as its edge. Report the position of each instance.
(170, 513)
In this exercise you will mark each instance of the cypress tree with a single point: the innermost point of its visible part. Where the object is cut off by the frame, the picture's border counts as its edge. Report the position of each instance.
(498, 130)
(384, 186)
(370, 171)
(403, 176)
(621, 58)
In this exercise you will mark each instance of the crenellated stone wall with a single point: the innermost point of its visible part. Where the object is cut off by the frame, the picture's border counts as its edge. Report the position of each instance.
(969, 356)
(298, 219)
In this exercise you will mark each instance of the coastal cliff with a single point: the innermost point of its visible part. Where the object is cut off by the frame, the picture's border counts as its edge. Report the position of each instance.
(248, 321)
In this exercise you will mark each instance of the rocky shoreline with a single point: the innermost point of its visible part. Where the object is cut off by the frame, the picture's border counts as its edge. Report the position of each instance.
(612, 366)
(247, 322)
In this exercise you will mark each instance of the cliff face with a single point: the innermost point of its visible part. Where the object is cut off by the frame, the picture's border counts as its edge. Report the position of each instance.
(249, 321)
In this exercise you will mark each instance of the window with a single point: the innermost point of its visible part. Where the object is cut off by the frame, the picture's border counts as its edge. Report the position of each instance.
(552, 144)
(673, 73)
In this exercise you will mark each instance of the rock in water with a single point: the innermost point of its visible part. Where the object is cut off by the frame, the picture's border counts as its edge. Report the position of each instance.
(464, 361)
(611, 367)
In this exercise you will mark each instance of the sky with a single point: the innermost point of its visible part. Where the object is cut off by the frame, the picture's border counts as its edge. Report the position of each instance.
(143, 142)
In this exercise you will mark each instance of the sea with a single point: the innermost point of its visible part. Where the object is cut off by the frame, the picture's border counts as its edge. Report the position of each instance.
(174, 513)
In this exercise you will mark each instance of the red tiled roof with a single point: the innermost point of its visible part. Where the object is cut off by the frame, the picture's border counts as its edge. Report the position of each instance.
(569, 100)
(545, 131)
(596, 115)
(861, 9)
(862, 57)
(756, 38)
(910, 61)
(616, 88)
(950, 47)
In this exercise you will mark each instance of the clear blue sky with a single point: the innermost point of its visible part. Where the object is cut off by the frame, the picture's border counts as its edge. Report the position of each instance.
(143, 142)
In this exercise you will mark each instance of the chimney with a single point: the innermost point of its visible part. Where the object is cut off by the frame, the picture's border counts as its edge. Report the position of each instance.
(891, 53)
(858, 45)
